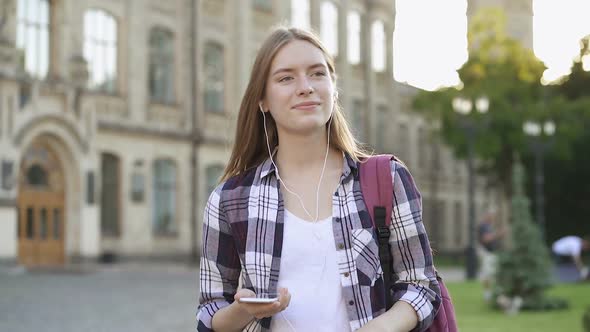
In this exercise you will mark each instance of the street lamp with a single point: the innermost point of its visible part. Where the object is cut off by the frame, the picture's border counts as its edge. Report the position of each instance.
(464, 106)
(541, 141)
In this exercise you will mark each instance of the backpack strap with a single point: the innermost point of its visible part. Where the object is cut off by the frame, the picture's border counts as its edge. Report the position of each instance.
(377, 188)
(376, 185)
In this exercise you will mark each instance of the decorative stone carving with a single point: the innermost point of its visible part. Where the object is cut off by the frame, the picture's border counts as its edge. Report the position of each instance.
(78, 71)
(9, 57)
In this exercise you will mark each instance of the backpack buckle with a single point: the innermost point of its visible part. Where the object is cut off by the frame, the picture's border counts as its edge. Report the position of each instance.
(383, 234)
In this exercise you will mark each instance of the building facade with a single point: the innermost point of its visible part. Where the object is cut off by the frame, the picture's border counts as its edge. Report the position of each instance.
(117, 118)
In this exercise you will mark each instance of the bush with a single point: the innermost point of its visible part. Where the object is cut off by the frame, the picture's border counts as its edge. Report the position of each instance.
(586, 320)
(545, 303)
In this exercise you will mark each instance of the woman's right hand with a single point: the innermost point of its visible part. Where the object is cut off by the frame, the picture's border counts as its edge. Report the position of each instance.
(262, 310)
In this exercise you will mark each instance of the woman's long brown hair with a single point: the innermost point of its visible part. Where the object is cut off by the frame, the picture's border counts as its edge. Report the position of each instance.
(250, 148)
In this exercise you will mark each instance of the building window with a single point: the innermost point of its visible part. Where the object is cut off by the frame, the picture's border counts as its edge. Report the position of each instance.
(358, 119)
(378, 44)
(37, 177)
(329, 27)
(164, 217)
(161, 67)
(110, 194)
(458, 224)
(100, 49)
(214, 173)
(354, 37)
(422, 149)
(402, 143)
(382, 126)
(214, 78)
(440, 223)
(33, 36)
(263, 5)
(300, 14)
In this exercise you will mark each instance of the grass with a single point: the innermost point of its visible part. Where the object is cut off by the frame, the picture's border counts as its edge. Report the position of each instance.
(474, 315)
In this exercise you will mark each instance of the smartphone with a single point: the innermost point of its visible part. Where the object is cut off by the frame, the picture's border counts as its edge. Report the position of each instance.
(258, 299)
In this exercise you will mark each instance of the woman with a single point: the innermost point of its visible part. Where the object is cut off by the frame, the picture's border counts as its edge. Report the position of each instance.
(288, 219)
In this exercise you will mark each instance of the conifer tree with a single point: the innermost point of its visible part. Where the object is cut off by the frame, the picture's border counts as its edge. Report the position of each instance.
(524, 270)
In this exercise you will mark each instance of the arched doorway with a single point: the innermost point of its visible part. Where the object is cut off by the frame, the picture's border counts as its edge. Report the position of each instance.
(41, 207)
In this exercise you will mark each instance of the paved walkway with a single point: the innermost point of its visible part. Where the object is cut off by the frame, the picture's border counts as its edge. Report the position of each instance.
(110, 298)
(125, 298)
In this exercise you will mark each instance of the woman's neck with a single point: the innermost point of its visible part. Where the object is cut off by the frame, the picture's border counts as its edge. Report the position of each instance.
(305, 155)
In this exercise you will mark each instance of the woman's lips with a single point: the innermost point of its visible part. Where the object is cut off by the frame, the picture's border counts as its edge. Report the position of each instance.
(307, 106)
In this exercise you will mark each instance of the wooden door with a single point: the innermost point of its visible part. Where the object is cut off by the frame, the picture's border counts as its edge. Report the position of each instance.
(41, 208)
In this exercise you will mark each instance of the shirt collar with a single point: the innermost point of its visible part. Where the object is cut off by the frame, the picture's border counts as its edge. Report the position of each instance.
(267, 167)
(349, 165)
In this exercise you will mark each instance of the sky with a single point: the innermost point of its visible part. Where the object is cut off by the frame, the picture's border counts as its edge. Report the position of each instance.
(430, 39)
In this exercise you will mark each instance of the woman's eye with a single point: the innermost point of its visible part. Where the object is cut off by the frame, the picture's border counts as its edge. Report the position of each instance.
(284, 79)
(320, 73)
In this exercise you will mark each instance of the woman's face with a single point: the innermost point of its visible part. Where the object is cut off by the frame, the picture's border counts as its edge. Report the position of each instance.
(299, 89)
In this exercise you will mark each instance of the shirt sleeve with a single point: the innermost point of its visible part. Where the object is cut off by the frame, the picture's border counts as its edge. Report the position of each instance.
(413, 269)
(219, 266)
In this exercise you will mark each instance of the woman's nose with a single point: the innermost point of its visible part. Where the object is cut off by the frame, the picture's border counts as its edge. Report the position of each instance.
(304, 88)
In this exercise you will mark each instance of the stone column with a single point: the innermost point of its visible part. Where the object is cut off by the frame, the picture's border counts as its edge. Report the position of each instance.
(9, 54)
(367, 61)
(242, 17)
(342, 66)
(315, 16)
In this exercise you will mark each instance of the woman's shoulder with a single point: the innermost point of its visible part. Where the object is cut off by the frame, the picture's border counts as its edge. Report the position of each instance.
(398, 165)
(236, 182)
(399, 169)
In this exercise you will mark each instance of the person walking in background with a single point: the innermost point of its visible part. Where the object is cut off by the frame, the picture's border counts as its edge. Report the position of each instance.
(289, 221)
(569, 249)
(489, 240)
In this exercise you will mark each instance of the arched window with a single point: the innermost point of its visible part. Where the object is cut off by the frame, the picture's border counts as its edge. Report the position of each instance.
(329, 26)
(100, 49)
(33, 35)
(164, 217)
(161, 67)
(300, 14)
(378, 44)
(37, 176)
(214, 77)
(354, 37)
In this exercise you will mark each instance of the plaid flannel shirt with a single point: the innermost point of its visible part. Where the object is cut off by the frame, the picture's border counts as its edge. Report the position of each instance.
(243, 235)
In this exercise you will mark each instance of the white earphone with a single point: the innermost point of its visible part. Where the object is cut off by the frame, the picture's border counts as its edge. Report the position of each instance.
(321, 176)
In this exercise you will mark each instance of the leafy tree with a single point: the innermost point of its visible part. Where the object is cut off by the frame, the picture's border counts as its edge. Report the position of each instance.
(568, 173)
(509, 75)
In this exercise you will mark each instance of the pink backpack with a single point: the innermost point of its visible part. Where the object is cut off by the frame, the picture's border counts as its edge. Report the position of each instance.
(376, 185)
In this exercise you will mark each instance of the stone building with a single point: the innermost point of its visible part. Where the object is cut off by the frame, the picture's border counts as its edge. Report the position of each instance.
(117, 117)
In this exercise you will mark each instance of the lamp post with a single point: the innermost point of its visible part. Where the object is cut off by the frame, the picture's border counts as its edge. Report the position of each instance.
(540, 134)
(464, 106)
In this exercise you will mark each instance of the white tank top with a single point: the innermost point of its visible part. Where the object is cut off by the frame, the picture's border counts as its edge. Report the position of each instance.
(309, 269)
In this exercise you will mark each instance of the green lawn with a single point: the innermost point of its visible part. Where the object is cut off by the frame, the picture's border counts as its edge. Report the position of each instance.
(473, 315)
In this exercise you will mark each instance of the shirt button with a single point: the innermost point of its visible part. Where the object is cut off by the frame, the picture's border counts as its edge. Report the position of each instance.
(340, 246)
(351, 302)
(346, 274)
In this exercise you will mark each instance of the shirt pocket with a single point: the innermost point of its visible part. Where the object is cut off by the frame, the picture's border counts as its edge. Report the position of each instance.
(365, 252)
